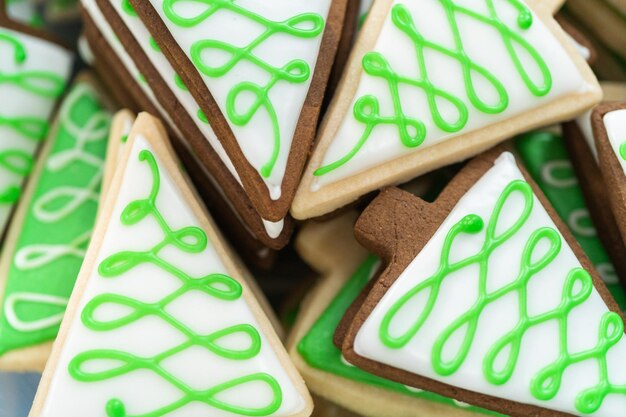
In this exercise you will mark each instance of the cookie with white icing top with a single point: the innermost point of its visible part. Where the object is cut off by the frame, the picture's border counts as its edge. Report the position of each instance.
(579, 140)
(435, 82)
(121, 71)
(259, 71)
(609, 129)
(169, 92)
(49, 234)
(161, 321)
(345, 268)
(486, 298)
(35, 70)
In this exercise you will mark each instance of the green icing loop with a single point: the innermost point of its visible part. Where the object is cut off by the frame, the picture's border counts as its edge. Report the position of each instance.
(16, 161)
(117, 363)
(541, 249)
(297, 71)
(32, 128)
(412, 132)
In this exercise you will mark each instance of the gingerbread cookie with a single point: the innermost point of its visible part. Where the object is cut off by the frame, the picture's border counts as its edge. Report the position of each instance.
(545, 156)
(579, 140)
(609, 129)
(345, 269)
(486, 298)
(176, 102)
(432, 83)
(260, 83)
(49, 234)
(34, 70)
(161, 320)
(245, 230)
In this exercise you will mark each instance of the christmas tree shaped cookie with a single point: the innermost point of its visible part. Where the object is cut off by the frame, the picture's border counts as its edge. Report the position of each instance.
(609, 128)
(34, 72)
(486, 298)
(254, 237)
(49, 234)
(258, 71)
(345, 269)
(434, 82)
(173, 96)
(161, 322)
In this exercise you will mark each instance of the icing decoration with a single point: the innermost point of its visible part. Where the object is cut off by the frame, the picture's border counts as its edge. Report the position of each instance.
(442, 68)
(153, 238)
(547, 161)
(176, 85)
(33, 72)
(260, 75)
(488, 342)
(55, 232)
(318, 350)
(615, 124)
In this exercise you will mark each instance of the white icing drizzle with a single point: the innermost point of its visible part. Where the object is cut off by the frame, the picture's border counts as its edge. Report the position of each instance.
(36, 256)
(14, 299)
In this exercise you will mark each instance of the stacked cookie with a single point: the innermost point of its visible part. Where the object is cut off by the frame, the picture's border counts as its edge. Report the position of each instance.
(454, 172)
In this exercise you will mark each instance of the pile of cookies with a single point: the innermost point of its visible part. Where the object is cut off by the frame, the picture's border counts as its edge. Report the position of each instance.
(387, 208)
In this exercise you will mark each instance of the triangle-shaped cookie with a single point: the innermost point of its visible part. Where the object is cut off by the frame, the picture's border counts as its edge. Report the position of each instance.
(258, 70)
(486, 298)
(35, 71)
(434, 82)
(161, 320)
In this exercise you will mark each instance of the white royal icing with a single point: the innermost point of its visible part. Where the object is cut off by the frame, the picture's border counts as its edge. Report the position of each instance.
(615, 124)
(256, 138)
(540, 345)
(143, 391)
(41, 55)
(483, 45)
